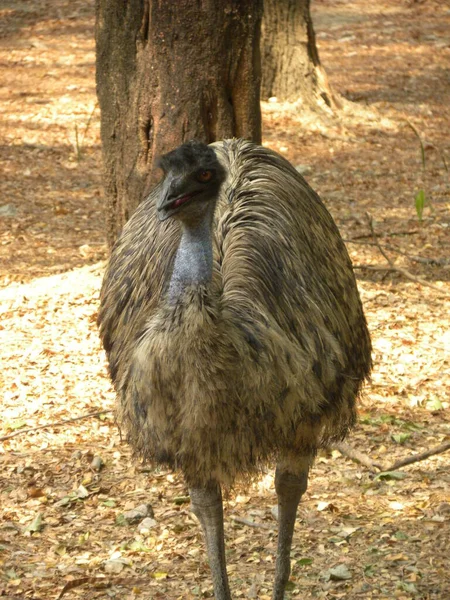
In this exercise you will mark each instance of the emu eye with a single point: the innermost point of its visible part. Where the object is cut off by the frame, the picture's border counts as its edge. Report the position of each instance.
(204, 176)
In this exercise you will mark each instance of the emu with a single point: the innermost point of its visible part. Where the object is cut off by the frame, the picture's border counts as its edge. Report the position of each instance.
(234, 331)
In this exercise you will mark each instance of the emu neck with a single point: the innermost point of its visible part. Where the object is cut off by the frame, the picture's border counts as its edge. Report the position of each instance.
(194, 259)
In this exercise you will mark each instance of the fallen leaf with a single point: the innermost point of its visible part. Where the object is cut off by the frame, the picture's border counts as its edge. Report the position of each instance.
(36, 525)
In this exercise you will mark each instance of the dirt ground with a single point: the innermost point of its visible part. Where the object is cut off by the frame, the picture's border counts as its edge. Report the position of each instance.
(358, 534)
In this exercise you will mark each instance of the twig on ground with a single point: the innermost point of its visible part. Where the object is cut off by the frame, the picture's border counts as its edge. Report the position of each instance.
(368, 235)
(56, 424)
(392, 267)
(420, 280)
(419, 259)
(375, 268)
(102, 583)
(420, 456)
(358, 456)
(70, 585)
(402, 272)
(376, 242)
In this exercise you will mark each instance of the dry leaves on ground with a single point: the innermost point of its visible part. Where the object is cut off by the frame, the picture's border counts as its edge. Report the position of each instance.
(67, 492)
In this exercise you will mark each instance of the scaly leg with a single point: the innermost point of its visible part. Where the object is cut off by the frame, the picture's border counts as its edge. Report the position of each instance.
(291, 480)
(207, 506)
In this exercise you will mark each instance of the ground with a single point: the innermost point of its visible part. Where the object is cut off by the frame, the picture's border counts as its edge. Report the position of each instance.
(358, 535)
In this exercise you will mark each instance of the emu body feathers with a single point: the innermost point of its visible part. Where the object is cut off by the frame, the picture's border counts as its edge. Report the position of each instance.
(267, 359)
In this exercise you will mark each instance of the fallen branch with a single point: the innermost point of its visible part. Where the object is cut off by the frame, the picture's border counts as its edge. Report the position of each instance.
(357, 456)
(420, 456)
(56, 424)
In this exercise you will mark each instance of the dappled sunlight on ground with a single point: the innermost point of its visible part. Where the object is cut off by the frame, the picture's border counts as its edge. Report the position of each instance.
(61, 514)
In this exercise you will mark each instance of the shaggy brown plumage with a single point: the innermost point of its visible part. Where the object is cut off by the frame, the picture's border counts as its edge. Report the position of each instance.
(268, 358)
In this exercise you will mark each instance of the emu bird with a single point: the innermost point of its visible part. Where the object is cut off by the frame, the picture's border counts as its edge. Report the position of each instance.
(234, 330)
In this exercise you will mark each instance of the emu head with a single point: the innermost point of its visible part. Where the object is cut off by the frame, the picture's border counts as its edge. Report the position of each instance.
(193, 177)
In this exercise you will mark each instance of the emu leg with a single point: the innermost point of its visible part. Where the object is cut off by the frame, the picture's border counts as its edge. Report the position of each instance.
(208, 508)
(291, 480)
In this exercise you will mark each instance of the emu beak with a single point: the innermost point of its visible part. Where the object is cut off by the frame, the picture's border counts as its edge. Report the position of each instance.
(170, 199)
(166, 198)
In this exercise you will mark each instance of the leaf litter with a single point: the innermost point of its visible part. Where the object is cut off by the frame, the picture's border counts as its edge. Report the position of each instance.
(65, 490)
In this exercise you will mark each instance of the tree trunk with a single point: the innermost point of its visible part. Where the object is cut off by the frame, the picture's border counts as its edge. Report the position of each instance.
(168, 72)
(291, 68)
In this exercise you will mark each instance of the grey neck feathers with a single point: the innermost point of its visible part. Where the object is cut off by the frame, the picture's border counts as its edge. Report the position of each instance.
(194, 258)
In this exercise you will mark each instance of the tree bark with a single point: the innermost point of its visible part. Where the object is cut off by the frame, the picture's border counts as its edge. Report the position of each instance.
(291, 68)
(168, 72)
